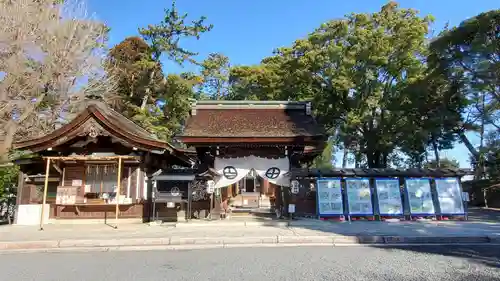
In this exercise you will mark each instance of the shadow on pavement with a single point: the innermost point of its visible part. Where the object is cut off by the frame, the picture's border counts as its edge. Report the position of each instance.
(463, 277)
(482, 222)
(484, 254)
(484, 215)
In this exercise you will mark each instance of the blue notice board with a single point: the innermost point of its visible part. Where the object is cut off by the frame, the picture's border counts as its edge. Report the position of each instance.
(419, 194)
(449, 196)
(359, 196)
(389, 197)
(329, 194)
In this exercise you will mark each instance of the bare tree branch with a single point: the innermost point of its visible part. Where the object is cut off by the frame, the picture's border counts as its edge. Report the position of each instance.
(51, 57)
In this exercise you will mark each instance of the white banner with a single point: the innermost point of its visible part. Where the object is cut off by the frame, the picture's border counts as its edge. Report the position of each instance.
(272, 170)
(233, 170)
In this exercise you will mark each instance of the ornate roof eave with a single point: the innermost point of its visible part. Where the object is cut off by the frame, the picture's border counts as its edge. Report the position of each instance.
(99, 120)
(94, 123)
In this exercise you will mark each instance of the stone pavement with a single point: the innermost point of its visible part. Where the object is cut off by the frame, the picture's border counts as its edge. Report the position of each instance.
(235, 233)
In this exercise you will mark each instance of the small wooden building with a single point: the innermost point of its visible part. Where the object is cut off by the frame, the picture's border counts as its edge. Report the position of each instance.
(251, 145)
(96, 167)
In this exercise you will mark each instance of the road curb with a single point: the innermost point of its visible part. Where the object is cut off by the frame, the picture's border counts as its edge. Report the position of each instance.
(229, 242)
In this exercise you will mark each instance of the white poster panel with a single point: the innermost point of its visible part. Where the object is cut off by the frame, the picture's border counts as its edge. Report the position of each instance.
(450, 196)
(329, 197)
(359, 196)
(389, 197)
(420, 197)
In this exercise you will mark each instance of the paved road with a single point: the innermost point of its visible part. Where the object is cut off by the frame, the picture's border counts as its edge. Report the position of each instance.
(298, 263)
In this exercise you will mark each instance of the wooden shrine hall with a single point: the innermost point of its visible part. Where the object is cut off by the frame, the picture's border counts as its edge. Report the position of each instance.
(97, 167)
(251, 146)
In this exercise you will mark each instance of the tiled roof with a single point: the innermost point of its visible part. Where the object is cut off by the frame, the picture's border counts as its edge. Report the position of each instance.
(121, 121)
(112, 121)
(251, 119)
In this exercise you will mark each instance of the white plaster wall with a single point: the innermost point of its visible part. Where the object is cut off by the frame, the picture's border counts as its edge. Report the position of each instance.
(30, 214)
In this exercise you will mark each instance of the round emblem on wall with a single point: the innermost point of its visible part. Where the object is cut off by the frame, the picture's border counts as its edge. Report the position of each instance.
(230, 172)
(175, 191)
(273, 173)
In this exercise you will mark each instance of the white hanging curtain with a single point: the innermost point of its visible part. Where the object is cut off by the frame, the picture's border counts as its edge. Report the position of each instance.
(232, 170)
(273, 170)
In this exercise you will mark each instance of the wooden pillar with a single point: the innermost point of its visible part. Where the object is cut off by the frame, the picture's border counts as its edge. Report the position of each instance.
(45, 187)
(118, 187)
(19, 193)
(149, 196)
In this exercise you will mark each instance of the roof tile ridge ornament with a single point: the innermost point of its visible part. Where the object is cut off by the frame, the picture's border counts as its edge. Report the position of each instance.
(246, 104)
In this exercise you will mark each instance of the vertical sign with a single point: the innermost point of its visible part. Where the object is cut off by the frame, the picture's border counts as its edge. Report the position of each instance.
(329, 197)
(389, 197)
(359, 196)
(449, 196)
(420, 197)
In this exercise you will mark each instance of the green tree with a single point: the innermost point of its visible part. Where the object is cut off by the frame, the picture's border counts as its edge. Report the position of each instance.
(468, 56)
(215, 73)
(164, 39)
(444, 163)
(368, 78)
(492, 156)
(254, 83)
(131, 62)
(8, 180)
(178, 95)
(434, 113)
(356, 70)
(325, 160)
(156, 101)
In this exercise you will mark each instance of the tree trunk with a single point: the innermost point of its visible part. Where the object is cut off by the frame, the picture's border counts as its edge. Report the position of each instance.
(12, 126)
(148, 91)
(357, 159)
(436, 154)
(344, 158)
(385, 159)
(480, 164)
(374, 159)
(6, 144)
(468, 144)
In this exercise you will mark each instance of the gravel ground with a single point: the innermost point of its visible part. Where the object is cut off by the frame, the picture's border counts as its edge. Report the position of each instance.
(453, 263)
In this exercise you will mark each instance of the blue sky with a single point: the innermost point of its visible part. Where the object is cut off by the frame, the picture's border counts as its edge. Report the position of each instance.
(247, 31)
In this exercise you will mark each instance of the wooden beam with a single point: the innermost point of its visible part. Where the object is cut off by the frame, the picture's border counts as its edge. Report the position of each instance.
(57, 168)
(90, 158)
